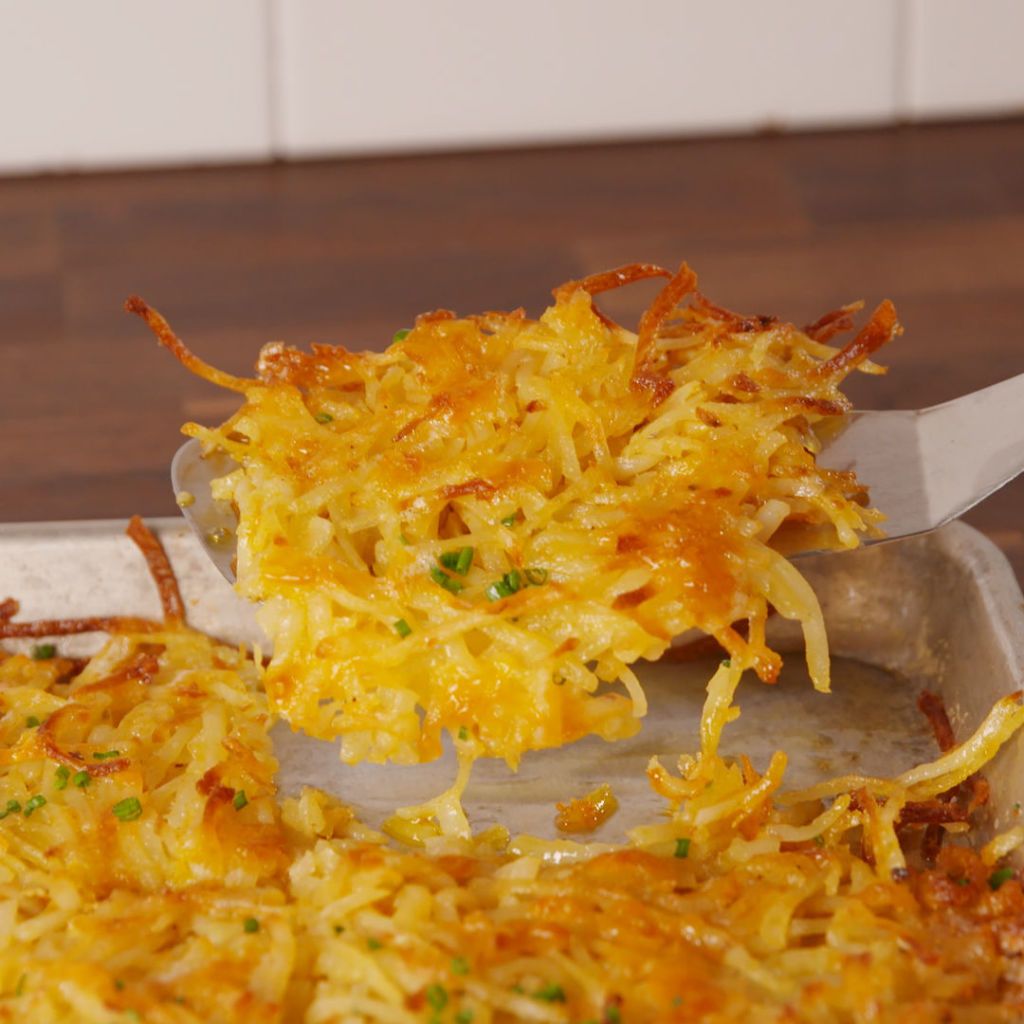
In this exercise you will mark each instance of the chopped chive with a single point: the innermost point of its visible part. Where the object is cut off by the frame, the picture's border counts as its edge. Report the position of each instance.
(510, 520)
(612, 1014)
(508, 585)
(727, 663)
(437, 997)
(536, 576)
(550, 993)
(819, 840)
(442, 579)
(62, 776)
(128, 809)
(251, 925)
(996, 879)
(463, 733)
(20, 989)
(682, 848)
(374, 944)
(106, 755)
(400, 335)
(12, 807)
(240, 800)
(962, 881)
(33, 804)
(338, 929)
(458, 561)
(402, 628)
(44, 652)
(80, 779)
(119, 984)
(323, 417)
(31, 722)
(464, 1017)
(460, 965)
(465, 561)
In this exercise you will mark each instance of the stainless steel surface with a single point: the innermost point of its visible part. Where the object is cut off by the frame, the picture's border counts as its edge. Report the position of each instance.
(923, 467)
(926, 467)
(941, 611)
(213, 522)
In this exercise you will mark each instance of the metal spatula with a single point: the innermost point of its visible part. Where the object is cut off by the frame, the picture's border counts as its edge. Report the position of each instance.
(923, 467)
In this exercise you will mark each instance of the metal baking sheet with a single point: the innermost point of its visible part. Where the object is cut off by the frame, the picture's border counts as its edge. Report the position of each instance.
(941, 611)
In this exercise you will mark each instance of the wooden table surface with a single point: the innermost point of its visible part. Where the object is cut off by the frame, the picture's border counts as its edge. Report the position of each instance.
(348, 251)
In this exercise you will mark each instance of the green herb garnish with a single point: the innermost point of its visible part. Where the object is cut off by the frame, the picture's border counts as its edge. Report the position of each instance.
(508, 585)
(464, 1017)
(400, 335)
(819, 840)
(996, 879)
(442, 579)
(536, 576)
(62, 776)
(374, 944)
(682, 848)
(402, 628)
(80, 779)
(251, 925)
(323, 417)
(463, 733)
(105, 755)
(550, 993)
(458, 561)
(437, 997)
(44, 652)
(31, 722)
(239, 800)
(33, 804)
(510, 520)
(460, 965)
(128, 809)
(12, 807)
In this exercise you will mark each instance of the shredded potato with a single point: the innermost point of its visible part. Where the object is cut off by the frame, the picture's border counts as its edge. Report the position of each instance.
(149, 872)
(479, 531)
(481, 528)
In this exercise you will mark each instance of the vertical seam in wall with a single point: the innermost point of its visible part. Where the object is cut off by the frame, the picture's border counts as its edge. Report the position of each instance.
(903, 57)
(272, 58)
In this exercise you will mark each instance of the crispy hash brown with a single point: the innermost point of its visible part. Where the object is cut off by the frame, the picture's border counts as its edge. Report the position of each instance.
(149, 872)
(478, 530)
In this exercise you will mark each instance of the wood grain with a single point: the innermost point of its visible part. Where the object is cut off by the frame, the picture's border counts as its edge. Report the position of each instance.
(932, 217)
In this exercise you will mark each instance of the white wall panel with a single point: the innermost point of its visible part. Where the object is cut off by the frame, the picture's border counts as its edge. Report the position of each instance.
(355, 75)
(965, 57)
(88, 83)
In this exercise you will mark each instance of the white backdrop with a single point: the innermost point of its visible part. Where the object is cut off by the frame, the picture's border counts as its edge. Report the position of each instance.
(106, 83)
